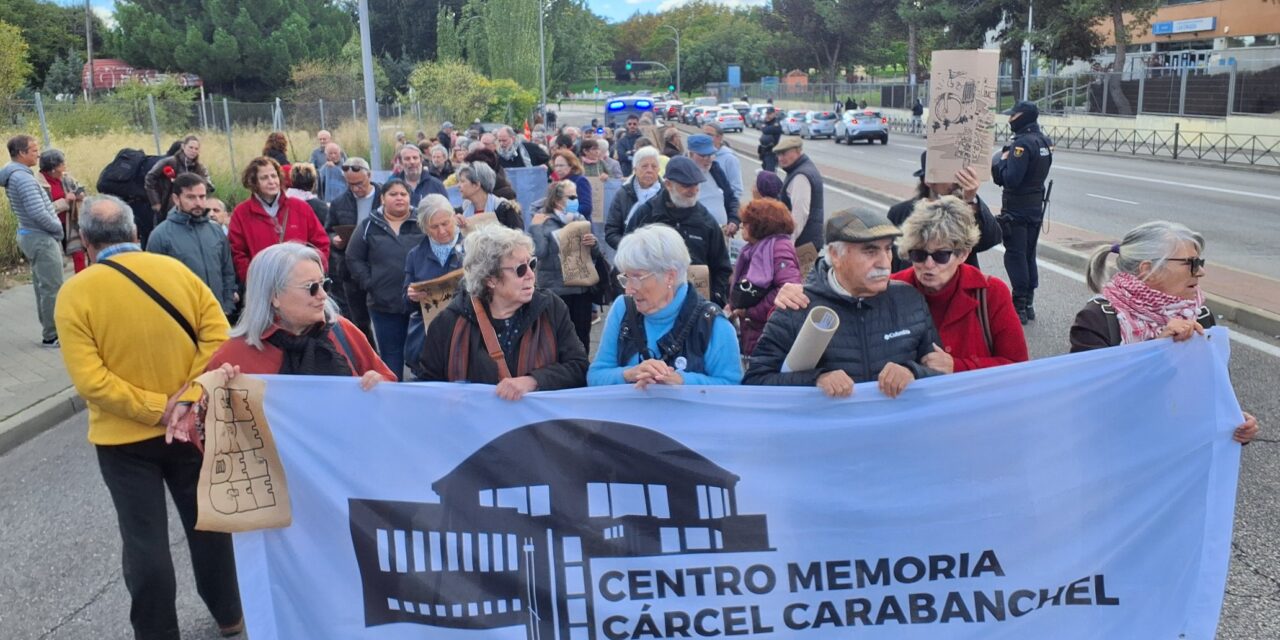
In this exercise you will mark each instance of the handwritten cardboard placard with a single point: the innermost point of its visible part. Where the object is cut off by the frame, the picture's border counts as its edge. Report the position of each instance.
(479, 220)
(963, 97)
(576, 264)
(242, 485)
(700, 278)
(806, 256)
(439, 291)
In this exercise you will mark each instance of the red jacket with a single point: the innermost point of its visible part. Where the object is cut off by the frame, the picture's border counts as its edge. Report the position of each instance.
(268, 360)
(955, 314)
(252, 229)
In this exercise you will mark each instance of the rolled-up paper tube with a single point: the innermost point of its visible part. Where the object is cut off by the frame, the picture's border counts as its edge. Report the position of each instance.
(812, 342)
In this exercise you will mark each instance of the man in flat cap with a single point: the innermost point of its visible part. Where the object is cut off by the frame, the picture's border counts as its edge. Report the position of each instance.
(801, 192)
(677, 206)
(885, 333)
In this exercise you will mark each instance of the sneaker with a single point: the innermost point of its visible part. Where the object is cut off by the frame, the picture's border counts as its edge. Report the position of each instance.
(51, 343)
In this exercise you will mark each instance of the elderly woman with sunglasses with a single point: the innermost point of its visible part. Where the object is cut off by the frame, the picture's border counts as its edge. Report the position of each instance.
(1154, 294)
(973, 312)
(662, 331)
(499, 311)
(290, 325)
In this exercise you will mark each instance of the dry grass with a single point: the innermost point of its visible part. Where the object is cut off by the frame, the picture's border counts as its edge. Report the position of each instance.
(88, 155)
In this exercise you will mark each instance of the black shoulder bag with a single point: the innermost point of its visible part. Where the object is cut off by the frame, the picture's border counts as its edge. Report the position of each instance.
(155, 295)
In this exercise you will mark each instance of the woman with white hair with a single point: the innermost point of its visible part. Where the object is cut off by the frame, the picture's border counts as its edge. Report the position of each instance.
(476, 181)
(1155, 293)
(439, 253)
(500, 329)
(290, 325)
(662, 331)
(644, 184)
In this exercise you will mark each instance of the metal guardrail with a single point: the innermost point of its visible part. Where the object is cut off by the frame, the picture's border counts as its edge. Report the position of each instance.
(1225, 148)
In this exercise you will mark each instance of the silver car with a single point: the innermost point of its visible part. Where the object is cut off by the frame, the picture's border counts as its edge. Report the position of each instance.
(818, 123)
(792, 121)
(862, 125)
(728, 119)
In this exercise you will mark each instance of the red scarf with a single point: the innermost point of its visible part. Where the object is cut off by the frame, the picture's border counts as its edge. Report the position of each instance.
(1142, 311)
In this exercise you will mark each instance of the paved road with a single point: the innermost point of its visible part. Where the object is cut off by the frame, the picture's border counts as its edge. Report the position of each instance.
(59, 550)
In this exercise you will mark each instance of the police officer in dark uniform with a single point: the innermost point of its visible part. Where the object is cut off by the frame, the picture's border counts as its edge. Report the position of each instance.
(1021, 169)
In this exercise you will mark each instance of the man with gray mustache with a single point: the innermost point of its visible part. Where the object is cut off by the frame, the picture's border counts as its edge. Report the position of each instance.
(886, 332)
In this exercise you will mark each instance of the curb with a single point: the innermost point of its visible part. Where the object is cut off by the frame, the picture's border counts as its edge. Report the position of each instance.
(1245, 315)
(38, 418)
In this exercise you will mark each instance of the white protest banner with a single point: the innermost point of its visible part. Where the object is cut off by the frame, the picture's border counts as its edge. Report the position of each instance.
(1079, 496)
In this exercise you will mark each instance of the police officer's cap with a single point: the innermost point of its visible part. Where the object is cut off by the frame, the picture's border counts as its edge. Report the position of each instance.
(1024, 106)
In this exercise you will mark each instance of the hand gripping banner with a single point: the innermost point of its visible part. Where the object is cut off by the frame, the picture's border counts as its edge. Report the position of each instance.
(1083, 496)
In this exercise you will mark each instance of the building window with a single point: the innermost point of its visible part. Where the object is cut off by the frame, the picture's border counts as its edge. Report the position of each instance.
(540, 500)
(627, 499)
(697, 538)
(514, 498)
(713, 502)
(617, 499)
(670, 539)
(658, 506)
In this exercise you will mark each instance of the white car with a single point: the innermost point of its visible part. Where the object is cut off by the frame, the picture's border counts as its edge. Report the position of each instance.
(792, 121)
(728, 119)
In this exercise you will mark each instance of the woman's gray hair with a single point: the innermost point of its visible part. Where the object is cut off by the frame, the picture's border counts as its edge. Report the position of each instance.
(107, 220)
(269, 274)
(51, 159)
(430, 205)
(1152, 242)
(480, 174)
(947, 220)
(483, 252)
(440, 148)
(644, 152)
(655, 248)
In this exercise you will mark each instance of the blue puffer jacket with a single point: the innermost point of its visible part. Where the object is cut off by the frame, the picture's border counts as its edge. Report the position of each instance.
(29, 202)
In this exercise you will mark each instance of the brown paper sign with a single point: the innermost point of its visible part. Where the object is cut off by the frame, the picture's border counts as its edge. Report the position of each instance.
(806, 256)
(242, 483)
(439, 292)
(479, 220)
(700, 277)
(962, 94)
(575, 258)
(597, 198)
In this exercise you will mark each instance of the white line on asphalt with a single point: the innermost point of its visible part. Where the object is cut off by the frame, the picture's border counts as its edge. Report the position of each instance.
(1094, 195)
(1174, 183)
(1238, 336)
(910, 162)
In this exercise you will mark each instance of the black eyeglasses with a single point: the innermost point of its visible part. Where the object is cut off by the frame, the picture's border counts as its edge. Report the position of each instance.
(1196, 264)
(573, 197)
(919, 256)
(521, 270)
(313, 288)
(349, 168)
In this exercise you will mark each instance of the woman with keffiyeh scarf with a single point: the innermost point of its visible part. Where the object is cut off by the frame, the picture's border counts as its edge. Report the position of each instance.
(1154, 294)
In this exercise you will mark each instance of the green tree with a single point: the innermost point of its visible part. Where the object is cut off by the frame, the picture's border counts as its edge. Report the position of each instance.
(244, 47)
(509, 102)
(405, 30)
(174, 105)
(64, 75)
(511, 30)
(827, 33)
(456, 89)
(581, 41)
(50, 31)
(448, 36)
(14, 67)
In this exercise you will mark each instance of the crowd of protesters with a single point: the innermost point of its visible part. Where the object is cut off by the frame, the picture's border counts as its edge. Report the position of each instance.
(314, 273)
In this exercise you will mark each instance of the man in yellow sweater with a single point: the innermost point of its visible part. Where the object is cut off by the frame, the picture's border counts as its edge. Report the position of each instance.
(129, 357)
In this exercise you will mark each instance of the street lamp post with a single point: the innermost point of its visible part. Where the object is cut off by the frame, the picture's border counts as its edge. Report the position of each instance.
(677, 32)
(370, 100)
(88, 45)
(1026, 55)
(542, 57)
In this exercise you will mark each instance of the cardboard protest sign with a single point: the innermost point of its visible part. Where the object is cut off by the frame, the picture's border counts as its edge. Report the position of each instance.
(242, 484)
(479, 220)
(700, 278)
(438, 293)
(575, 258)
(806, 255)
(597, 199)
(963, 97)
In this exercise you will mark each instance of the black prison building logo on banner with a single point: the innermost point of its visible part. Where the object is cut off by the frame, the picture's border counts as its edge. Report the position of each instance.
(518, 522)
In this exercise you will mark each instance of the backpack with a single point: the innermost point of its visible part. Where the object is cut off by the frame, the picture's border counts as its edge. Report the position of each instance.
(125, 176)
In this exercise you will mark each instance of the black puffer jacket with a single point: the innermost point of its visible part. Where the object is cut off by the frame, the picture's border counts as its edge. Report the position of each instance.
(894, 326)
(701, 233)
(569, 371)
(615, 223)
(376, 258)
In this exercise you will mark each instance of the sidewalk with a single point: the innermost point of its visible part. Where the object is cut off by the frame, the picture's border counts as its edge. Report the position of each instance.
(35, 392)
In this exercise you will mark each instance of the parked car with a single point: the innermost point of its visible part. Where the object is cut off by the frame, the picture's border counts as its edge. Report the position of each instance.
(729, 120)
(659, 109)
(818, 123)
(792, 121)
(674, 108)
(742, 108)
(690, 115)
(706, 115)
(862, 125)
(756, 115)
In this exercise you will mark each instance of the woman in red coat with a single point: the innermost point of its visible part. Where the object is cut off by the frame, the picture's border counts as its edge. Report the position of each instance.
(973, 312)
(270, 217)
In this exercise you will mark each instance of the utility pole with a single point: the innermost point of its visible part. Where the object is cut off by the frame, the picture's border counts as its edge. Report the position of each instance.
(542, 57)
(370, 100)
(1026, 54)
(88, 45)
(677, 32)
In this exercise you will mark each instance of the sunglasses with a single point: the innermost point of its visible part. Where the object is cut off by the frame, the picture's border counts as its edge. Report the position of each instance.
(1196, 264)
(313, 288)
(521, 270)
(919, 256)
(346, 168)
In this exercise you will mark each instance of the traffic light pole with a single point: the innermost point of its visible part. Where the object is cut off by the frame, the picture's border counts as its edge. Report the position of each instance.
(677, 32)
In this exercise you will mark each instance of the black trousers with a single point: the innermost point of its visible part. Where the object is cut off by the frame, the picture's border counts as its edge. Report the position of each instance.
(1020, 239)
(136, 475)
(580, 314)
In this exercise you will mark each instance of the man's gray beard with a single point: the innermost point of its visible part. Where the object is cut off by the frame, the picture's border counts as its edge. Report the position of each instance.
(509, 153)
(682, 202)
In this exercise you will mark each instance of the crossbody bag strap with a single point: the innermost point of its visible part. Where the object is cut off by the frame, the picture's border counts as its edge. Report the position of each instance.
(159, 299)
(282, 226)
(984, 317)
(490, 339)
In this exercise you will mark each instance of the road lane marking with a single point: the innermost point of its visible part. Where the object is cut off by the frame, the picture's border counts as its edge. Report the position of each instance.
(1094, 195)
(1174, 183)
(906, 162)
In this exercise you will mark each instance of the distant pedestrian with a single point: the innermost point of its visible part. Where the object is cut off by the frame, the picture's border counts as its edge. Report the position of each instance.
(802, 192)
(438, 165)
(446, 135)
(596, 161)
(319, 155)
(302, 185)
(849, 104)
(703, 153)
(67, 195)
(277, 148)
(566, 166)
(626, 145)
(770, 135)
(917, 117)
(331, 183)
(218, 213)
(39, 231)
(188, 235)
(130, 358)
(159, 180)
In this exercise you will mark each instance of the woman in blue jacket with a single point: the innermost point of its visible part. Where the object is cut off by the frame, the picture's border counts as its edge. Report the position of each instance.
(439, 253)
